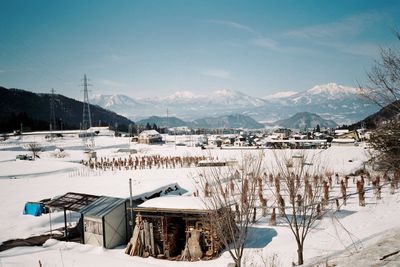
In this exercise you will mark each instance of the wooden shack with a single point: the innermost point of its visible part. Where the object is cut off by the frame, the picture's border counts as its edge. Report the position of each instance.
(174, 227)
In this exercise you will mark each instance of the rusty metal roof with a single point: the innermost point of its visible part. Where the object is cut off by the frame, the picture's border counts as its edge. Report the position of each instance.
(72, 201)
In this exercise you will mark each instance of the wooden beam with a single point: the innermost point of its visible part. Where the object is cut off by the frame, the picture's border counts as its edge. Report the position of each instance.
(65, 225)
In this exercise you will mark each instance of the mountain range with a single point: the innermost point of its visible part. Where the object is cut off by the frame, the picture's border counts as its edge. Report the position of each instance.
(223, 121)
(385, 114)
(305, 120)
(33, 111)
(342, 104)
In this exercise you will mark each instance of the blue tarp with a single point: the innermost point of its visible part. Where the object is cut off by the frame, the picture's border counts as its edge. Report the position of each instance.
(34, 208)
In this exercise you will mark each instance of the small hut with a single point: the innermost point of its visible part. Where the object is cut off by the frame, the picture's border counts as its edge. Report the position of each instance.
(88, 155)
(174, 227)
(105, 222)
(150, 137)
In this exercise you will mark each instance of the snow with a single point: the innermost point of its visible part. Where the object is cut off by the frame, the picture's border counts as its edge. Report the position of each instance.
(332, 89)
(279, 95)
(175, 202)
(183, 95)
(354, 236)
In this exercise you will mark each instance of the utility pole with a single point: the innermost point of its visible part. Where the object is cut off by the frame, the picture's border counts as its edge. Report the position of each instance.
(52, 115)
(167, 123)
(86, 119)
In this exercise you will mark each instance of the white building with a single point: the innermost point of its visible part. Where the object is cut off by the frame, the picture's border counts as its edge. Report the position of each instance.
(150, 137)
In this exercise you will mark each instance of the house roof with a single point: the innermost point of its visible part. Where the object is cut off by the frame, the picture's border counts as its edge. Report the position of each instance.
(102, 206)
(343, 140)
(176, 204)
(149, 133)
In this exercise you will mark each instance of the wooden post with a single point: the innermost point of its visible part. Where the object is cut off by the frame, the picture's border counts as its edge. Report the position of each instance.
(65, 225)
(152, 239)
(51, 230)
(146, 235)
(166, 246)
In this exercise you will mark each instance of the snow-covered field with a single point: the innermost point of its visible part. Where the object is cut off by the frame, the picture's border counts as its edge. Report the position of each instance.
(334, 238)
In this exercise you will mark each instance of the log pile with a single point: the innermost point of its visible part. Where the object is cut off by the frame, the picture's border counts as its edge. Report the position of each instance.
(173, 239)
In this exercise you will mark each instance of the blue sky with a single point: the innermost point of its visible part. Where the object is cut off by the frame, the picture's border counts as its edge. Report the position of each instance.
(155, 48)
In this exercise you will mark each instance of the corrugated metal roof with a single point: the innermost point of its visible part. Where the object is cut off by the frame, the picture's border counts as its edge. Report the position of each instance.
(72, 201)
(102, 206)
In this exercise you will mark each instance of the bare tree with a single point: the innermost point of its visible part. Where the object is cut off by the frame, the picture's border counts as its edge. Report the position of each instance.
(385, 141)
(383, 89)
(301, 193)
(384, 78)
(234, 190)
(34, 148)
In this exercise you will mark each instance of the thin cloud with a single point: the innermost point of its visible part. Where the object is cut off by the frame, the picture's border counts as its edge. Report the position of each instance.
(346, 27)
(235, 25)
(265, 43)
(361, 49)
(338, 35)
(114, 58)
(221, 74)
(259, 40)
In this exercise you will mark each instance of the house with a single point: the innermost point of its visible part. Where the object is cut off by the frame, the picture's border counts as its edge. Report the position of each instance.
(89, 155)
(150, 137)
(174, 227)
(105, 222)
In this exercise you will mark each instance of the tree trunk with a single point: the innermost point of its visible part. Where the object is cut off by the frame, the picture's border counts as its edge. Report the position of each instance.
(300, 260)
(238, 260)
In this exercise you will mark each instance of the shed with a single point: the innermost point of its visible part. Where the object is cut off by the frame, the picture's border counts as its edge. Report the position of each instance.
(105, 222)
(88, 155)
(150, 137)
(71, 201)
(174, 227)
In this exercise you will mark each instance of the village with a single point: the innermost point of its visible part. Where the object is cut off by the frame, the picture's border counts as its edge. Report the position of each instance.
(146, 195)
(199, 133)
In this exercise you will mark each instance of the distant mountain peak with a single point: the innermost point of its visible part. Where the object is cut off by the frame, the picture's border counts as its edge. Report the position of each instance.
(183, 95)
(227, 93)
(279, 95)
(332, 89)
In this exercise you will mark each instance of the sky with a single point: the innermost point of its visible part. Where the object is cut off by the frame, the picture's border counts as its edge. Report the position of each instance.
(154, 48)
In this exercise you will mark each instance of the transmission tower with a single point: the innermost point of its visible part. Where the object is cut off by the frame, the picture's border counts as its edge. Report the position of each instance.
(53, 125)
(87, 118)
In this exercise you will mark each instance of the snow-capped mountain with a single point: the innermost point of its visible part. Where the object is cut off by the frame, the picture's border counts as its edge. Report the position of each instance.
(121, 104)
(342, 104)
(280, 95)
(331, 101)
(218, 98)
(324, 93)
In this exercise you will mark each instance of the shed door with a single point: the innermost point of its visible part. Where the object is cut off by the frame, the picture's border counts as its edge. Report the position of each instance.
(93, 231)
